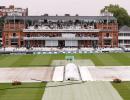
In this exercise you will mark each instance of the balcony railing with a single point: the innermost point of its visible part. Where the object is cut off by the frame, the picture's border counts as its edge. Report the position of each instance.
(60, 38)
(61, 30)
(124, 37)
(121, 44)
(14, 37)
(107, 38)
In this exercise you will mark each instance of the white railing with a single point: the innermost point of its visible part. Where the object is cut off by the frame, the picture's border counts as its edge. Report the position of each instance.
(124, 37)
(107, 37)
(123, 44)
(60, 38)
(14, 37)
(61, 30)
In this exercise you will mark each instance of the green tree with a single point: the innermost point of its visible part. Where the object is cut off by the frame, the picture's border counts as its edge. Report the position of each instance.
(0, 45)
(1, 21)
(1, 28)
(120, 13)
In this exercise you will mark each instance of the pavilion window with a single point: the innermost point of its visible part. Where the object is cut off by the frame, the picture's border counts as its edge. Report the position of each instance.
(107, 34)
(14, 34)
(28, 35)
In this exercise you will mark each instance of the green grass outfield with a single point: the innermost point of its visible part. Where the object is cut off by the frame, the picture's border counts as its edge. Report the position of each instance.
(108, 59)
(34, 91)
(26, 91)
(123, 89)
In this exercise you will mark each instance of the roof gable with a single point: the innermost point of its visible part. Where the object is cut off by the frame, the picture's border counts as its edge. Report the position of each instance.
(125, 28)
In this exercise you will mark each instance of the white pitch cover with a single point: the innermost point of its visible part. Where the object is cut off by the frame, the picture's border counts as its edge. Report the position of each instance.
(58, 73)
(85, 74)
(71, 72)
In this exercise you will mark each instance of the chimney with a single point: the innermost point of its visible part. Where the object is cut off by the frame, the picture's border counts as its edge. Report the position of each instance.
(67, 14)
(45, 15)
(11, 6)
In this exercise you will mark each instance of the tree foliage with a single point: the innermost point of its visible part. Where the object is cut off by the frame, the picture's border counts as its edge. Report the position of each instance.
(1, 26)
(120, 13)
(1, 21)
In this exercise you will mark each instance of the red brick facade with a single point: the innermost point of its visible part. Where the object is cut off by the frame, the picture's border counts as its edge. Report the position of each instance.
(13, 36)
(11, 11)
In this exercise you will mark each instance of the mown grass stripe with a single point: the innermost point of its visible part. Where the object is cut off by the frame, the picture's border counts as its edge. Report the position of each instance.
(8, 60)
(122, 58)
(24, 60)
(117, 59)
(41, 60)
(2, 57)
(26, 91)
(108, 60)
(123, 89)
(92, 57)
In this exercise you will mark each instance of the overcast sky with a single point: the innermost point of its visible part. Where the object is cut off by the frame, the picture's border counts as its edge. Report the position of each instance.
(61, 7)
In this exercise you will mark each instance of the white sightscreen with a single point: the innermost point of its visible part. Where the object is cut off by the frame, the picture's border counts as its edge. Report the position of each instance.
(51, 43)
(71, 43)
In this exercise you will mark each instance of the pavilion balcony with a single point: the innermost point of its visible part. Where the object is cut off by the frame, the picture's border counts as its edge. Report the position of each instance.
(124, 37)
(61, 30)
(123, 44)
(14, 37)
(107, 38)
(60, 38)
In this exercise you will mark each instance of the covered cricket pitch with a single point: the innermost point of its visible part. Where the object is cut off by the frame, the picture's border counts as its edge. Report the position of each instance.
(107, 70)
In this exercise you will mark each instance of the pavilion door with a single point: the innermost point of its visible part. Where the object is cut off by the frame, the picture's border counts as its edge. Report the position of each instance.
(94, 44)
(61, 43)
